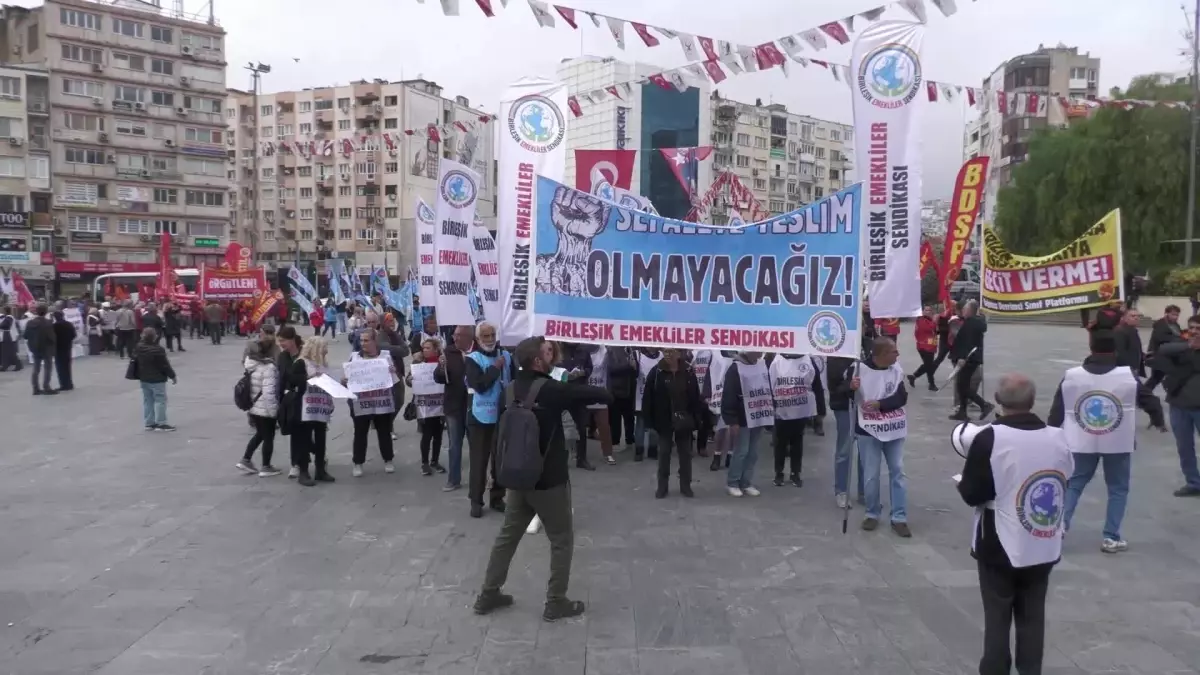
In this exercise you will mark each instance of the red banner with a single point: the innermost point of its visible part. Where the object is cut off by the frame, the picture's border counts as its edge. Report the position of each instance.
(227, 284)
(964, 210)
(166, 271)
(264, 302)
(237, 257)
(594, 166)
(927, 258)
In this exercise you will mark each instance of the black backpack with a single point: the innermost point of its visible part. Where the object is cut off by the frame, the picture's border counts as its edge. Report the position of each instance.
(242, 397)
(519, 456)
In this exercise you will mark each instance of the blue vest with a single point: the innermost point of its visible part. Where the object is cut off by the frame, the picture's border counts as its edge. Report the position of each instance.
(485, 405)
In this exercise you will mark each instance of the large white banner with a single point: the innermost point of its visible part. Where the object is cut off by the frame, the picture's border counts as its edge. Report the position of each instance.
(457, 198)
(532, 144)
(426, 227)
(487, 272)
(886, 66)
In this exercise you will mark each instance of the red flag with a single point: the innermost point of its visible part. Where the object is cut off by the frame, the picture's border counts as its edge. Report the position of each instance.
(24, 297)
(714, 71)
(568, 15)
(612, 166)
(965, 204)
(461, 127)
(613, 90)
(927, 258)
(836, 31)
(644, 33)
(486, 6)
(573, 104)
(237, 257)
(1002, 102)
(931, 89)
(768, 56)
(166, 271)
(685, 163)
(971, 95)
(661, 81)
(432, 133)
(710, 52)
(485, 118)
(108, 287)
(1031, 104)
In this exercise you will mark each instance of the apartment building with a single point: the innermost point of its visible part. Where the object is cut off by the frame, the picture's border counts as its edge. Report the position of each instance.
(784, 158)
(135, 132)
(25, 221)
(300, 207)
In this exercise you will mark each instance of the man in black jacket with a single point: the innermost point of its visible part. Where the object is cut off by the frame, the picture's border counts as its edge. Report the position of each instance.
(64, 342)
(39, 334)
(550, 500)
(839, 372)
(172, 328)
(672, 407)
(968, 348)
(452, 372)
(1180, 362)
(1129, 343)
(152, 319)
(1163, 331)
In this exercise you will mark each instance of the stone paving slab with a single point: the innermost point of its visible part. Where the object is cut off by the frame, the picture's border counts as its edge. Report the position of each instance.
(126, 552)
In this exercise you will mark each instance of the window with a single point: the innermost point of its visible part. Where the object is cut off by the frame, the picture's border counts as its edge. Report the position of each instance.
(10, 87)
(128, 28)
(124, 92)
(129, 61)
(12, 203)
(760, 184)
(305, 171)
(306, 106)
(202, 198)
(82, 193)
(78, 19)
(1078, 73)
(82, 54)
(743, 161)
(267, 132)
(166, 196)
(367, 234)
(12, 126)
(391, 212)
(344, 191)
(212, 136)
(835, 134)
(391, 167)
(819, 192)
(367, 168)
(208, 105)
(391, 123)
(40, 242)
(389, 100)
(393, 234)
(283, 130)
(847, 135)
(161, 34)
(12, 167)
(343, 125)
(322, 105)
(344, 103)
(164, 131)
(267, 110)
(83, 156)
(130, 127)
(306, 234)
(306, 214)
(807, 148)
(163, 164)
(806, 131)
(820, 153)
(133, 226)
(819, 171)
(166, 98)
(166, 227)
(128, 161)
(345, 234)
(203, 167)
(87, 224)
(306, 193)
(306, 128)
(345, 214)
(743, 140)
(268, 173)
(162, 66)
(82, 88)
(834, 175)
(762, 121)
(207, 42)
(206, 229)
(269, 235)
(366, 212)
(760, 142)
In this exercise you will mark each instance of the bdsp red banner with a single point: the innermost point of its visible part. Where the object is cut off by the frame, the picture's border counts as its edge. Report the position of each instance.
(964, 210)
(226, 284)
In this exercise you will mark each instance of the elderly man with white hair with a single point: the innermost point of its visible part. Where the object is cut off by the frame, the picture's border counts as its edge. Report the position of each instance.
(489, 372)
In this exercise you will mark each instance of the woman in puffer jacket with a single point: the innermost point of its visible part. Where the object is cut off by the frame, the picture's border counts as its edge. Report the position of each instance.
(264, 391)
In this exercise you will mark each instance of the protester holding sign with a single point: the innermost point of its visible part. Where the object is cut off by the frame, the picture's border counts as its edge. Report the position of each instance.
(451, 372)
(796, 386)
(712, 388)
(370, 374)
(428, 398)
(748, 409)
(882, 427)
(315, 408)
(672, 406)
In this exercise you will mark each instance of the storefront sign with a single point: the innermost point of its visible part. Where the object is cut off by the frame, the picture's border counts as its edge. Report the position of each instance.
(14, 258)
(13, 244)
(82, 267)
(226, 284)
(29, 272)
(12, 220)
(206, 242)
(622, 115)
(87, 237)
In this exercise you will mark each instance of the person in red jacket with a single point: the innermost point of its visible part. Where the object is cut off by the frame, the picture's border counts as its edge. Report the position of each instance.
(927, 346)
(317, 319)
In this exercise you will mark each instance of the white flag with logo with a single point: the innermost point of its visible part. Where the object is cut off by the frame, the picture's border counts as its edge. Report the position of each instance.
(426, 250)
(886, 67)
(532, 143)
(487, 271)
(457, 199)
(301, 290)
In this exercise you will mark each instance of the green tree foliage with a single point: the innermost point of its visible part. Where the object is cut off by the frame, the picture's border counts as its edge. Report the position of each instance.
(1135, 160)
(1155, 87)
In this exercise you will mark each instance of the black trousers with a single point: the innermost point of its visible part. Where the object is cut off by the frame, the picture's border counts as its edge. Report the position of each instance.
(126, 341)
(431, 439)
(330, 328)
(308, 441)
(9, 356)
(1156, 378)
(789, 444)
(383, 432)
(1013, 596)
(581, 419)
(705, 430)
(681, 443)
(962, 383)
(62, 366)
(264, 434)
(42, 365)
(482, 439)
(929, 365)
(177, 338)
(214, 332)
(621, 411)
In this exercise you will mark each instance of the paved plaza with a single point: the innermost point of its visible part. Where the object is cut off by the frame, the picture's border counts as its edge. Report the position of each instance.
(124, 552)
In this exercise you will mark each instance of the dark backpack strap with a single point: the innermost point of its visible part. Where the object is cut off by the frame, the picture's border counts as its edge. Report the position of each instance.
(531, 396)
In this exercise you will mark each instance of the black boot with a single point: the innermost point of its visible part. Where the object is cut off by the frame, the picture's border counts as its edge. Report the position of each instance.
(685, 488)
(728, 456)
(661, 492)
(716, 463)
(778, 479)
(582, 463)
(562, 609)
(637, 454)
(489, 601)
(305, 479)
(797, 481)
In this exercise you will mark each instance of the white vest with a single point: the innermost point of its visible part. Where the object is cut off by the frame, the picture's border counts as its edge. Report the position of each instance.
(717, 368)
(1030, 470)
(599, 375)
(1100, 410)
(757, 401)
(645, 363)
(873, 386)
(376, 402)
(791, 384)
(700, 362)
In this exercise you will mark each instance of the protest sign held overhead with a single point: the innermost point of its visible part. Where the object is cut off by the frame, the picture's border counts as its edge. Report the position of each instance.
(610, 275)
(458, 192)
(1085, 273)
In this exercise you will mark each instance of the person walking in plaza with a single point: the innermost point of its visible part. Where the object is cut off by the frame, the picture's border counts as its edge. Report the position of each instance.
(1180, 364)
(1129, 343)
(881, 427)
(41, 339)
(95, 336)
(841, 370)
(264, 392)
(391, 341)
(489, 372)
(645, 440)
(1164, 330)
(452, 372)
(672, 407)
(172, 326)
(577, 362)
(309, 413)
(430, 426)
(1094, 406)
(214, 319)
(331, 320)
(622, 384)
(1015, 476)
(108, 326)
(372, 408)
(126, 327)
(596, 414)
(796, 387)
(153, 369)
(550, 498)
(10, 337)
(748, 412)
(152, 319)
(64, 345)
(927, 346)
(968, 348)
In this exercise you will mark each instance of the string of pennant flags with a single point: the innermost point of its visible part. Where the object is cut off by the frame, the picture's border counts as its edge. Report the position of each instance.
(388, 140)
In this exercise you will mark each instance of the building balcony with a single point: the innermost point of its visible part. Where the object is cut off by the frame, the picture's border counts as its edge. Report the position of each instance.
(37, 106)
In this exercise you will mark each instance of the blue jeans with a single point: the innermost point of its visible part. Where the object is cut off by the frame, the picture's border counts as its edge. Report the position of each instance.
(1184, 424)
(1116, 476)
(456, 427)
(842, 451)
(873, 453)
(341, 322)
(642, 437)
(745, 456)
(154, 403)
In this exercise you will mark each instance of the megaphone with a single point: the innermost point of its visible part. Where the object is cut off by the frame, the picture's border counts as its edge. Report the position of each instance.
(963, 435)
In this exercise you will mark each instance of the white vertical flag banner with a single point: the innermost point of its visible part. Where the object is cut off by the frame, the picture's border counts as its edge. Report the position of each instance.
(532, 143)
(487, 272)
(886, 66)
(457, 199)
(426, 250)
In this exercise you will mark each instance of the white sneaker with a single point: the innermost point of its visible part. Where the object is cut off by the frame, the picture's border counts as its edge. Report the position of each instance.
(535, 526)
(388, 467)
(356, 471)
(294, 473)
(394, 437)
(751, 491)
(734, 491)
(1114, 545)
(843, 500)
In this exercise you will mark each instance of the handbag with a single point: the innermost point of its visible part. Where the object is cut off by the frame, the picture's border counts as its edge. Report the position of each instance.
(131, 371)
(682, 421)
(410, 411)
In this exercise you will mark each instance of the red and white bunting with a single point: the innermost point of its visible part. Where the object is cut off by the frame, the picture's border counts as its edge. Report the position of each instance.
(617, 28)
(688, 43)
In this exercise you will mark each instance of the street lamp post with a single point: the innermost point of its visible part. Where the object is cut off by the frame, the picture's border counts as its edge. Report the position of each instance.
(256, 72)
(1191, 193)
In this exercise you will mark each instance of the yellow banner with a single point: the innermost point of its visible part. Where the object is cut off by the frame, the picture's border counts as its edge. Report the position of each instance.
(1085, 273)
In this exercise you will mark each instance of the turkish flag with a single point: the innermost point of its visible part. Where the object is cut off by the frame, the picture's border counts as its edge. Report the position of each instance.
(612, 166)
(661, 81)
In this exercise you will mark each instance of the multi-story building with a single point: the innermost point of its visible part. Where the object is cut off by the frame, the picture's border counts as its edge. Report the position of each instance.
(972, 140)
(25, 222)
(785, 159)
(299, 208)
(645, 118)
(136, 128)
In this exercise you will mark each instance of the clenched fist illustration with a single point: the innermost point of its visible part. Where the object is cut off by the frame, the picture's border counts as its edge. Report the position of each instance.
(579, 219)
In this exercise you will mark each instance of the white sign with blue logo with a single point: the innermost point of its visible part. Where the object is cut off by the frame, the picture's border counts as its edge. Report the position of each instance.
(457, 198)
(615, 276)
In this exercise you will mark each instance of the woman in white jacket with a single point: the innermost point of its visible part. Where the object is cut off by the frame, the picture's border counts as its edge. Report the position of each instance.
(264, 391)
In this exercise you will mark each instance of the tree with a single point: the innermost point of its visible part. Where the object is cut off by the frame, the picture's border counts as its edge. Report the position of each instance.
(1155, 87)
(1135, 160)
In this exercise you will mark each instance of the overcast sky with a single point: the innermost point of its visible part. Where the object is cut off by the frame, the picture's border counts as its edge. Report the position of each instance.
(471, 55)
